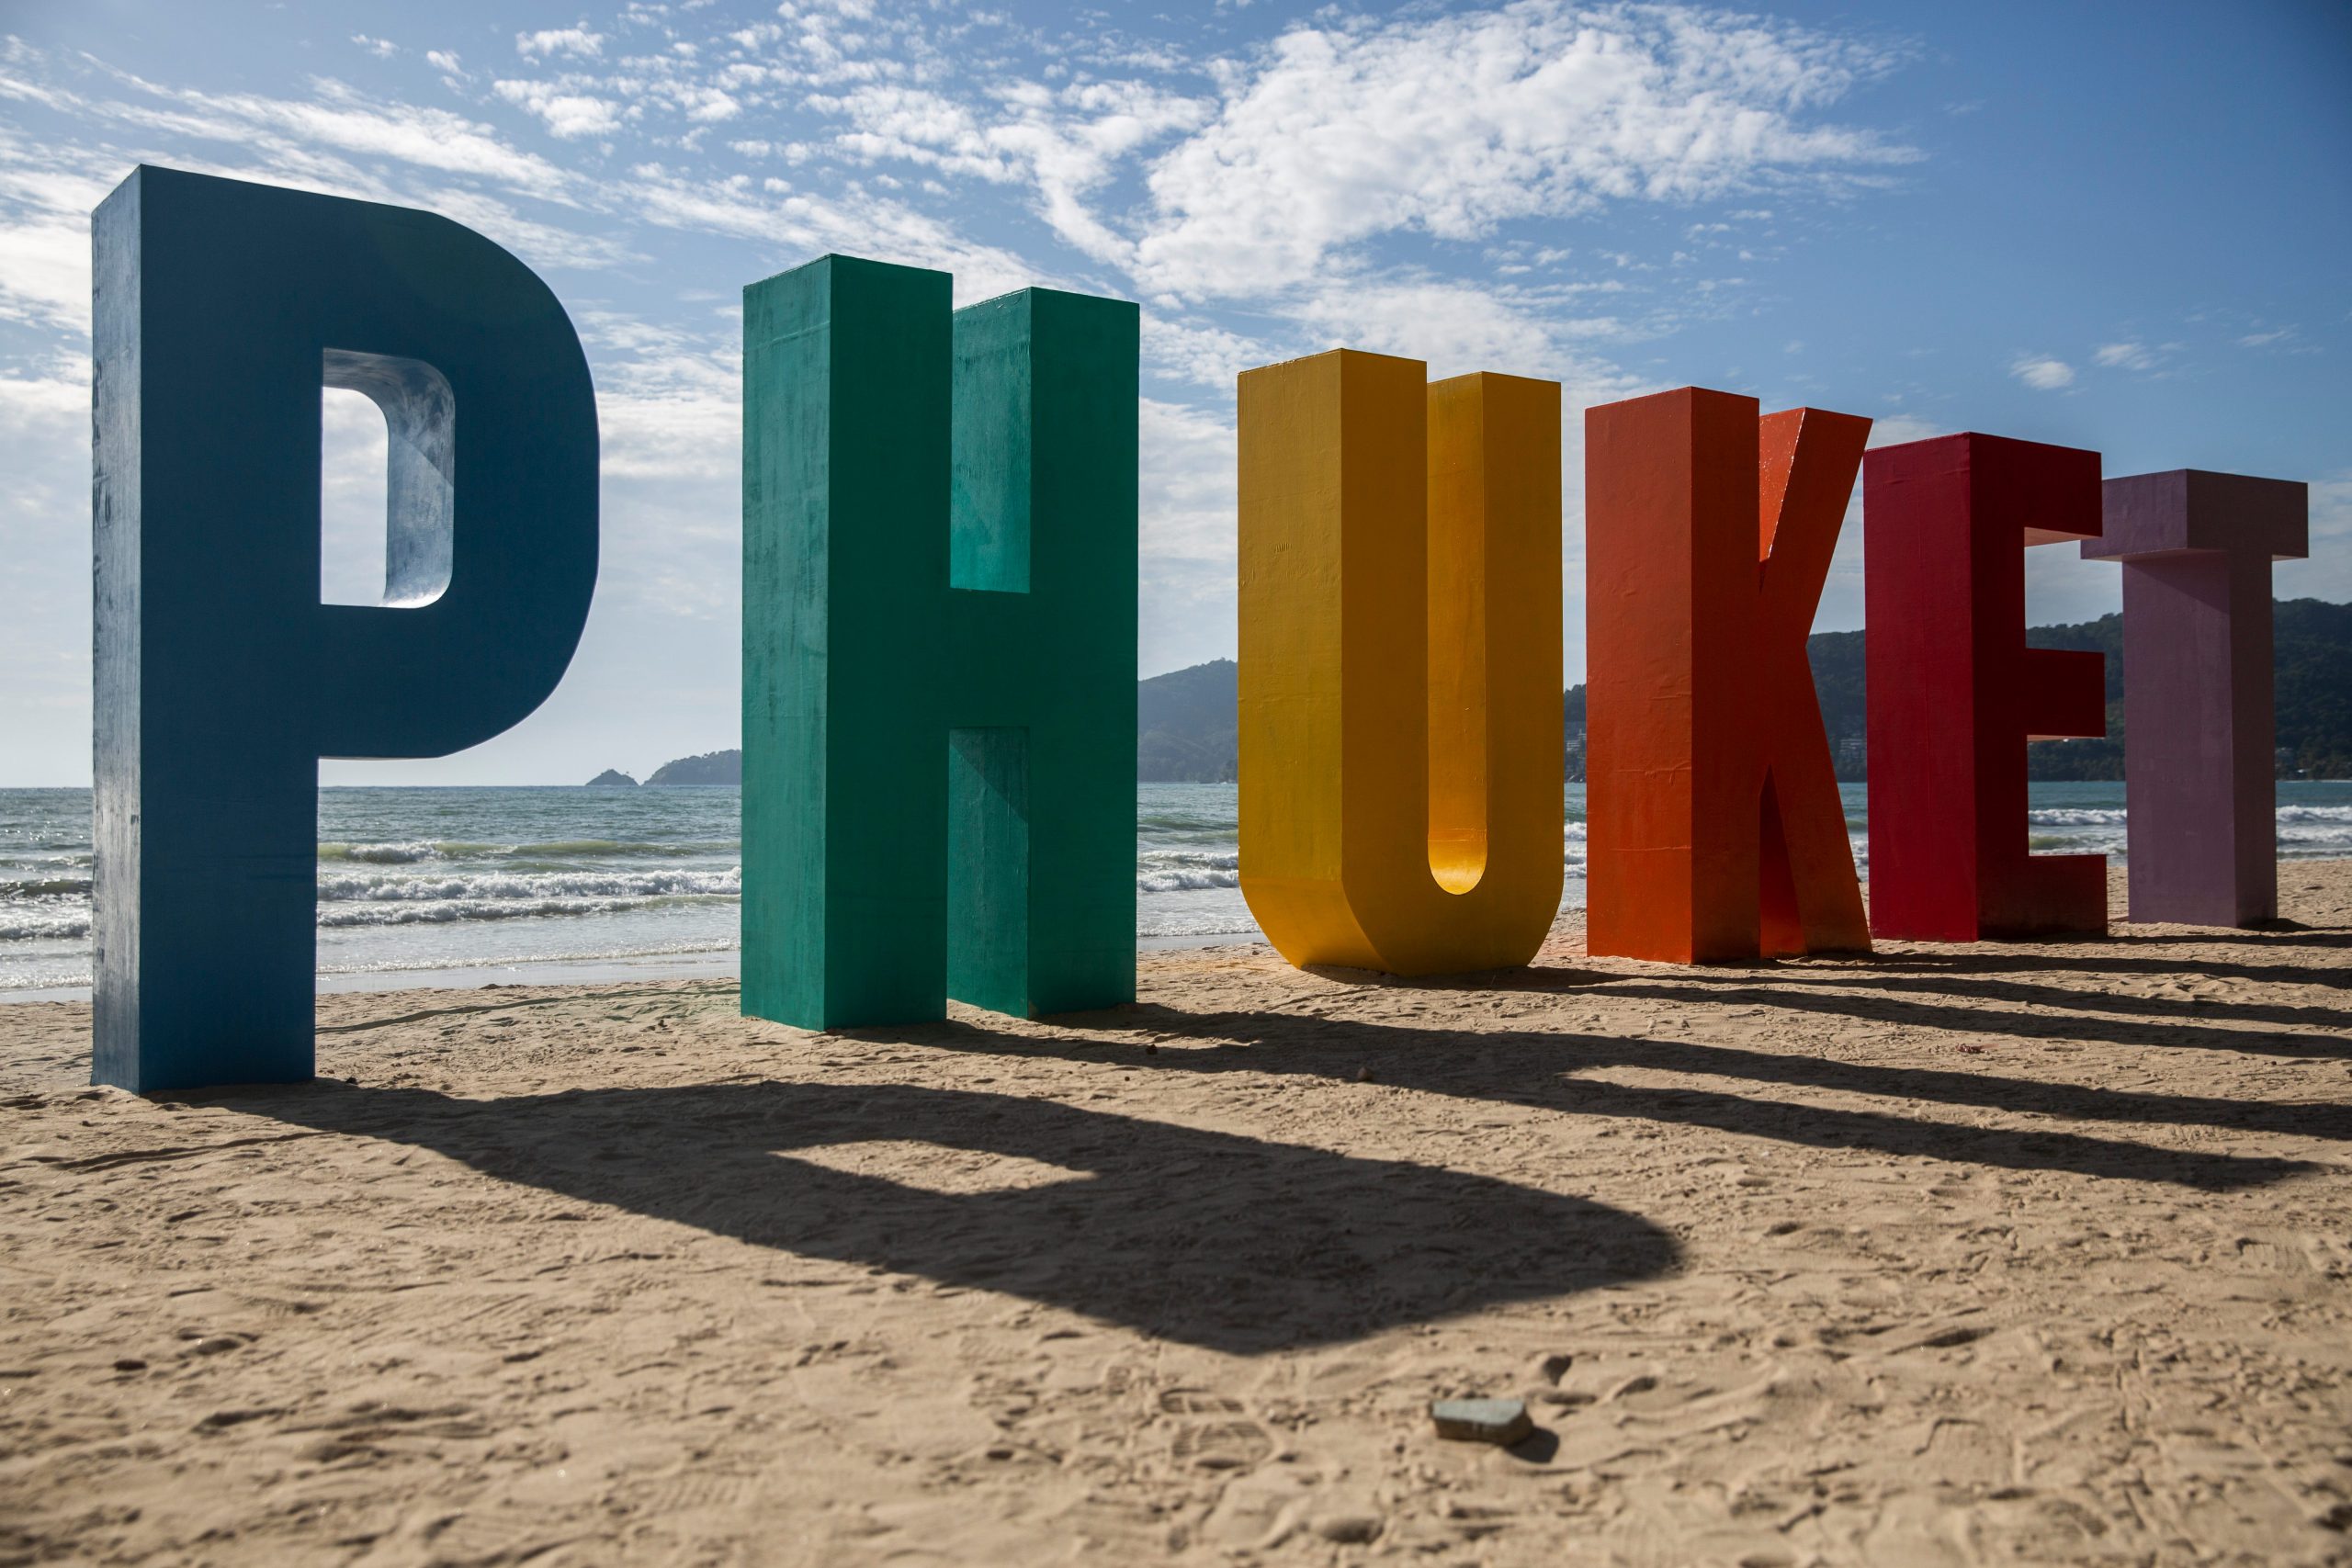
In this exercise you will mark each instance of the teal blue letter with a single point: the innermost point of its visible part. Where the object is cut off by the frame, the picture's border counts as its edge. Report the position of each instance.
(221, 308)
(939, 633)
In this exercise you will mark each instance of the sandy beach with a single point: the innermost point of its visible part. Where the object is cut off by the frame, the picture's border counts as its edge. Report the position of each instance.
(2002, 1253)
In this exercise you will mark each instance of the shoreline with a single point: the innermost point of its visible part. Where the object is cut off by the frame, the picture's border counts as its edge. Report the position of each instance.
(721, 964)
(649, 968)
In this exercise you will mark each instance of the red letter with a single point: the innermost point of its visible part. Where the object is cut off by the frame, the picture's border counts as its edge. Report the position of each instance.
(1811, 901)
(1955, 694)
(1714, 827)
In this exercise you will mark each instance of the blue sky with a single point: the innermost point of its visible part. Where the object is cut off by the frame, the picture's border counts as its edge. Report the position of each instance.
(2126, 227)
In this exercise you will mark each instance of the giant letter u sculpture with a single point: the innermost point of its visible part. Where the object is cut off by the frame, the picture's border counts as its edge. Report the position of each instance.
(1400, 663)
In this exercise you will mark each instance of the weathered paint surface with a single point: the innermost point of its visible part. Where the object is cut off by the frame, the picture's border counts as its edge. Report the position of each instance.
(939, 631)
(2196, 549)
(1400, 743)
(1714, 826)
(221, 308)
(1954, 694)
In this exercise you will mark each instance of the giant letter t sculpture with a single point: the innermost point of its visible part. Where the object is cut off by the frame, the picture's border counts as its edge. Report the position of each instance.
(2196, 549)
(939, 633)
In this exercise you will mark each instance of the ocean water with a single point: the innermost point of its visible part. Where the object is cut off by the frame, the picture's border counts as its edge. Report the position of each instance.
(418, 885)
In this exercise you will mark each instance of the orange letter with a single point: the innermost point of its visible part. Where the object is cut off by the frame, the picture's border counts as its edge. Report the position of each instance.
(1714, 825)
(1400, 663)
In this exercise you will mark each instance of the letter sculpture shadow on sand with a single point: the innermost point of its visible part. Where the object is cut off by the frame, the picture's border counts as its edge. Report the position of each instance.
(1954, 694)
(1400, 720)
(221, 309)
(1714, 826)
(939, 633)
(2196, 549)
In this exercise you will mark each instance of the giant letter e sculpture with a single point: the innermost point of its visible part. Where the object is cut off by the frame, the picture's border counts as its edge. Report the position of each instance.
(221, 308)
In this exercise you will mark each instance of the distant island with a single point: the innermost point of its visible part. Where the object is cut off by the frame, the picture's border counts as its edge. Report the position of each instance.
(1187, 722)
(711, 768)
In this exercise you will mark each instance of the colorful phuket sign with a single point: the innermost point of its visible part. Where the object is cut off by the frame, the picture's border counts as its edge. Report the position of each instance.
(939, 570)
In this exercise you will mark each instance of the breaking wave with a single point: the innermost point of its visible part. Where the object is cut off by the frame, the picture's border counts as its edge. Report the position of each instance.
(67, 924)
(420, 851)
(1182, 871)
(531, 886)
(2077, 816)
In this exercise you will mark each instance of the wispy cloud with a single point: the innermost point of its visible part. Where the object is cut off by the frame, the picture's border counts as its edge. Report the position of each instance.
(2042, 372)
(1449, 126)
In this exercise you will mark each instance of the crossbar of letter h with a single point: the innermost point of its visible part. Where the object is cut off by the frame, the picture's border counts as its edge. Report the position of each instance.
(939, 628)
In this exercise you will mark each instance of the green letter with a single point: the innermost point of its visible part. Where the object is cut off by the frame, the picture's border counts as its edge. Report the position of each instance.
(939, 631)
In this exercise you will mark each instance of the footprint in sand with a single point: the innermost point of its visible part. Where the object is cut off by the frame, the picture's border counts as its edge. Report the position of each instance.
(1231, 1440)
(695, 1491)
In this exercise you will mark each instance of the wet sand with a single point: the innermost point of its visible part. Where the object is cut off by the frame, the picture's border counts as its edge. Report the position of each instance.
(1987, 1253)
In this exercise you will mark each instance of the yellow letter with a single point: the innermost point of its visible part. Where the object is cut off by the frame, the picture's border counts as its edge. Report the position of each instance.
(1400, 663)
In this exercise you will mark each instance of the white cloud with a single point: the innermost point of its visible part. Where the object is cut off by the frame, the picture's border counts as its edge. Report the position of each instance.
(1451, 125)
(1187, 482)
(1894, 429)
(804, 224)
(566, 114)
(1187, 509)
(1457, 328)
(47, 189)
(2263, 340)
(1065, 142)
(707, 104)
(45, 566)
(445, 61)
(382, 48)
(2042, 372)
(45, 270)
(294, 131)
(577, 41)
(1199, 352)
(2124, 355)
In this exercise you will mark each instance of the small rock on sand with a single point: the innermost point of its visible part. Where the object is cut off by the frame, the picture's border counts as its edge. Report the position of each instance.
(1499, 1421)
(1346, 1528)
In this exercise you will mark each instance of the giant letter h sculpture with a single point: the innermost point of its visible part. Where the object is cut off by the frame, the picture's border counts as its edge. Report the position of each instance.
(939, 624)
(222, 308)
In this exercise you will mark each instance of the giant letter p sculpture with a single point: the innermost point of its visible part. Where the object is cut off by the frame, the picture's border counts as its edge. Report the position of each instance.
(222, 308)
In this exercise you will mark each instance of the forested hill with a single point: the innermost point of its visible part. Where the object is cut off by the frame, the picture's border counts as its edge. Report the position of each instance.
(1186, 726)
(2311, 651)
